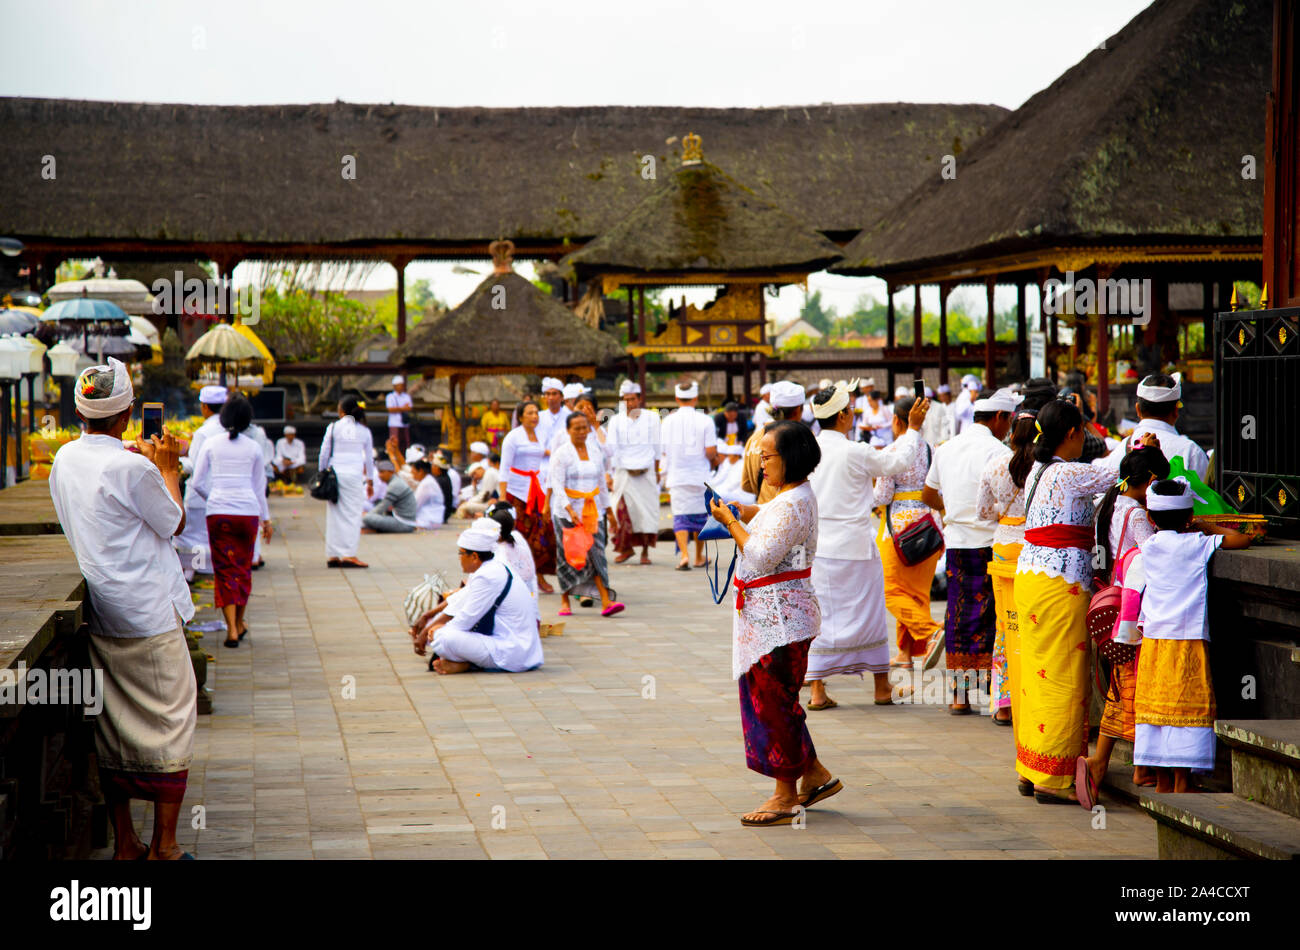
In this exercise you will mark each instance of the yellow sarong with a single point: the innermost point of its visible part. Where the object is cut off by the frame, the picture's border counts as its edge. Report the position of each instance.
(1052, 718)
(1006, 645)
(1174, 685)
(907, 593)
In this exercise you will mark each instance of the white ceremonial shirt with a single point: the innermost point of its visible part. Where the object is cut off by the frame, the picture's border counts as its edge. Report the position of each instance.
(295, 452)
(1172, 442)
(119, 518)
(396, 403)
(231, 475)
(955, 473)
(963, 411)
(211, 426)
(762, 415)
(1177, 577)
(514, 643)
(634, 442)
(686, 434)
(549, 423)
(880, 422)
(842, 484)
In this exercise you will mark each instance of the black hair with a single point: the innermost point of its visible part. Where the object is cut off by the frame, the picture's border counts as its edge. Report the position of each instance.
(797, 447)
(494, 458)
(984, 416)
(1023, 431)
(423, 466)
(1038, 392)
(524, 404)
(103, 383)
(568, 421)
(1178, 518)
(1056, 421)
(503, 513)
(1164, 411)
(903, 407)
(351, 406)
(236, 415)
(787, 414)
(1144, 463)
(482, 555)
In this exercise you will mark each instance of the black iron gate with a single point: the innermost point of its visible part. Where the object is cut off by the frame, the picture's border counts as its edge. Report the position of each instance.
(1257, 396)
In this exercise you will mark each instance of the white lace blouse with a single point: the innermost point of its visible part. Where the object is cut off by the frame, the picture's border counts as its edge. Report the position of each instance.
(570, 471)
(905, 512)
(999, 497)
(1139, 526)
(782, 537)
(1064, 496)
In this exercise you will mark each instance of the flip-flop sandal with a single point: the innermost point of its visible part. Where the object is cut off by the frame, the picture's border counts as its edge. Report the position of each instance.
(829, 704)
(351, 564)
(1025, 788)
(781, 818)
(564, 613)
(822, 792)
(904, 694)
(645, 560)
(230, 643)
(683, 567)
(614, 608)
(1001, 722)
(333, 562)
(1047, 798)
(1085, 789)
(960, 711)
(586, 602)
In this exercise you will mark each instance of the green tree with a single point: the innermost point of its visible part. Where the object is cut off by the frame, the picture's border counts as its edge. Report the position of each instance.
(302, 327)
(421, 302)
(797, 341)
(817, 314)
(869, 318)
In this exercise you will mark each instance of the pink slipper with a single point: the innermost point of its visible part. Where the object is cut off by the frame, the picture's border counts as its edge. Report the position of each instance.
(612, 609)
(564, 612)
(1085, 789)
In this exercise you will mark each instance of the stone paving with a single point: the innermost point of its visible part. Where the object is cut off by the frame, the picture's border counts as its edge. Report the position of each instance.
(330, 739)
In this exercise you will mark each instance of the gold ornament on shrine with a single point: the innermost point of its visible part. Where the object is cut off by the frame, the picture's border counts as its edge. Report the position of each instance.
(503, 253)
(1241, 494)
(1281, 497)
(692, 149)
(1241, 337)
(1281, 335)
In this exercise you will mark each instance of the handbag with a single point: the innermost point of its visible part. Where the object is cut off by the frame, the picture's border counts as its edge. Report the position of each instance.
(422, 597)
(1103, 614)
(920, 539)
(325, 486)
(714, 531)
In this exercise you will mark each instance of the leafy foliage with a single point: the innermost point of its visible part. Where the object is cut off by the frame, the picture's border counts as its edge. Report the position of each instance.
(324, 328)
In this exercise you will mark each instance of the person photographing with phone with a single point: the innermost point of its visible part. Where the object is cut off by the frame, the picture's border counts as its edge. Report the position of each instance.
(119, 511)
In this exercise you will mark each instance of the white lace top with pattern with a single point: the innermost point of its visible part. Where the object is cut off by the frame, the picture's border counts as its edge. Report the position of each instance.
(1065, 496)
(906, 511)
(782, 537)
(999, 497)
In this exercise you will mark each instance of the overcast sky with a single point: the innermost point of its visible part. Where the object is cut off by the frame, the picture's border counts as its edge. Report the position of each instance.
(555, 53)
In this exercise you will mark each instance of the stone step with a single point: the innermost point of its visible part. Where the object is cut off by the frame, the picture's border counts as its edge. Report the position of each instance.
(1220, 826)
(1265, 761)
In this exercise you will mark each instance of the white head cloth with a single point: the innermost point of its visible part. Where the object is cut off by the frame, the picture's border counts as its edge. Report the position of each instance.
(929, 393)
(290, 430)
(1004, 400)
(119, 400)
(731, 449)
(480, 447)
(832, 407)
(213, 395)
(481, 536)
(824, 384)
(628, 388)
(945, 388)
(414, 454)
(901, 392)
(550, 382)
(1159, 393)
(764, 389)
(787, 395)
(971, 381)
(398, 379)
(689, 392)
(1172, 502)
(573, 390)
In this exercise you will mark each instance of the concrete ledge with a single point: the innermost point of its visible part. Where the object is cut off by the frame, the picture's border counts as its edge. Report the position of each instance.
(1221, 825)
(1265, 761)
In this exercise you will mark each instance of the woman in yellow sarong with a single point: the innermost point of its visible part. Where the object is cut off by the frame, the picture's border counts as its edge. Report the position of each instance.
(1052, 588)
(907, 589)
(1002, 496)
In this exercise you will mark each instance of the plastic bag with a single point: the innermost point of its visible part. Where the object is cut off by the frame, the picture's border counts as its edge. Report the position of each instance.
(577, 542)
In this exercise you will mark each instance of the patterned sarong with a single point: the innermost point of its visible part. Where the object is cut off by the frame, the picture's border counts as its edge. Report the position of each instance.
(777, 743)
(1052, 720)
(537, 531)
(232, 538)
(907, 597)
(1006, 643)
(970, 619)
(1174, 706)
(582, 583)
(1117, 720)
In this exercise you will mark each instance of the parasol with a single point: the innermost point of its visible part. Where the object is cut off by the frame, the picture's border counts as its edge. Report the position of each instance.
(223, 344)
(84, 310)
(18, 321)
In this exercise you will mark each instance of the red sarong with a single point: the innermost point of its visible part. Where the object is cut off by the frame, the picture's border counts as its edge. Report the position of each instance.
(232, 538)
(777, 742)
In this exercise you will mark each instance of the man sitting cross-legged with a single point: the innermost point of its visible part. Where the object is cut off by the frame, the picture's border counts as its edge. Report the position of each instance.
(490, 622)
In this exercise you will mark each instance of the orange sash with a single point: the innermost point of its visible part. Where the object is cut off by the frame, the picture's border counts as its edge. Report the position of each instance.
(590, 515)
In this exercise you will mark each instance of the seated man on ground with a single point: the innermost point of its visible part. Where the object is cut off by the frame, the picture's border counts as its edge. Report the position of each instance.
(396, 511)
(290, 460)
(490, 623)
(481, 481)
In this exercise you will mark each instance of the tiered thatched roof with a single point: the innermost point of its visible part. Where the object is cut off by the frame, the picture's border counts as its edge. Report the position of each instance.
(192, 176)
(703, 220)
(1140, 143)
(531, 332)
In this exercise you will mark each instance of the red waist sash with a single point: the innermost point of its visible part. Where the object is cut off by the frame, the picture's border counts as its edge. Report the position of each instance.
(742, 586)
(536, 501)
(1062, 536)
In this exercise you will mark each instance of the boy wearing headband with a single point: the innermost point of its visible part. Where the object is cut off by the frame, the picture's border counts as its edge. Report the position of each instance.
(1158, 402)
(1174, 703)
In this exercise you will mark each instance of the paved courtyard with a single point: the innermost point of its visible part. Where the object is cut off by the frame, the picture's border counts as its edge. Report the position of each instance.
(330, 739)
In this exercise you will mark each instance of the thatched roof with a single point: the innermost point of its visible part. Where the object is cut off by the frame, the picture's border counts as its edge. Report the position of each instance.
(268, 174)
(533, 332)
(1139, 143)
(702, 219)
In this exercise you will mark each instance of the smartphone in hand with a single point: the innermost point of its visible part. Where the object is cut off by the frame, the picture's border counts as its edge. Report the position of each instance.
(918, 387)
(151, 420)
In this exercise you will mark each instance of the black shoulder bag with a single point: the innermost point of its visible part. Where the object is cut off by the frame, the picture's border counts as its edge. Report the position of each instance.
(325, 484)
(920, 539)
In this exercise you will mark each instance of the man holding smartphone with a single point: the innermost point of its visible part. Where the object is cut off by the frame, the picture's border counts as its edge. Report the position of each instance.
(119, 511)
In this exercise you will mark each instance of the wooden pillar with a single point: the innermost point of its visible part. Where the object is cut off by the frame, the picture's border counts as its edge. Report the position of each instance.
(748, 388)
(1022, 328)
(640, 324)
(631, 321)
(1104, 271)
(640, 375)
(400, 266)
(1281, 259)
(1040, 282)
(944, 290)
(1207, 321)
(464, 423)
(762, 370)
(989, 367)
(729, 389)
(916, 332)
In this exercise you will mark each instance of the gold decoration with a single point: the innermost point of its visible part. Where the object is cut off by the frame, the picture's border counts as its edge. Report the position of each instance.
(736, 318)
(503, 253)
(1241, 337)
(1281, 335)
(1241, 494)
(692, 149)
(1281, 497)
(1263, 298)
(1233, 302)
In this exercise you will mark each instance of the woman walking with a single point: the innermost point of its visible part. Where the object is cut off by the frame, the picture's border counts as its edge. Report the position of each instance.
(1002, 497)
(349, 449)
(231, 474)
(907, 589)
(777, 616)
(523, 464)
(579, 496)
(1052, 588)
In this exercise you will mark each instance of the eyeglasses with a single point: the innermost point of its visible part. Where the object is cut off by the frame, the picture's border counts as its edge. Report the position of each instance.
(764, 458)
